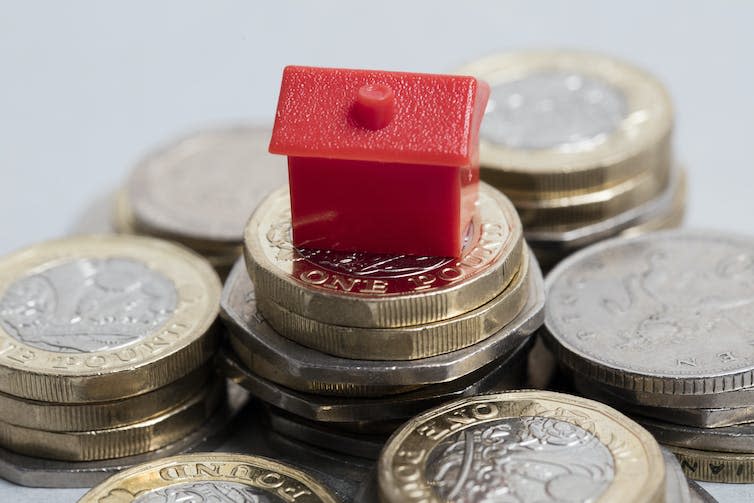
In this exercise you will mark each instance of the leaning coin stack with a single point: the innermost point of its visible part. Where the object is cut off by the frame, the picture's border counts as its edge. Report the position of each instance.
(106, 346)
(200, 190)
(659, 326)
(526, 446)
(581, 143)
(354, 343)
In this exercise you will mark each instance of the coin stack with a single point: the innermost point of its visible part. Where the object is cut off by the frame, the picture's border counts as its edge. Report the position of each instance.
(659, 326)
(581, 143)
(200, 190)
(106, 347)
(354, 343)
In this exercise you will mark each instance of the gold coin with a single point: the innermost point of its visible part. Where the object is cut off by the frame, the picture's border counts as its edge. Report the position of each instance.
(210, 477)
(522, 445)
(565, 122)
(129, 440)
(100, 415)
(709, 466)
(382, 291)
(100, 318)
(405, 343)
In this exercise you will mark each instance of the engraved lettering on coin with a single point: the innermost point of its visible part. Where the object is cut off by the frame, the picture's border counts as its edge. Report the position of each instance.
(526, 459)
(87, 305)
(208, 492)
(553, 109)
(658, 304)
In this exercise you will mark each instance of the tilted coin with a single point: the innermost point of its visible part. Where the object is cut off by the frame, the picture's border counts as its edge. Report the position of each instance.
(101, 318)
(404, 343)
(711, 466)
(736, 438)
(640, 313)
(699, 495)
(676, 485)
(382, 291)
(277, 359)
(566, 121)
(523, 446)
(495, 376)
(51, 416)
(210, 477)
(202, 188)
(129, 440)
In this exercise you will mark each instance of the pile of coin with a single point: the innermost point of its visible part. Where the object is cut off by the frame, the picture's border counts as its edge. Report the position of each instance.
(581, 143)
(200, 190)
(354, 343)
(106, 348)
(659, 326)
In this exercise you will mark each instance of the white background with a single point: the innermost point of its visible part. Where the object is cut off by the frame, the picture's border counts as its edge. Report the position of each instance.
(86, 88)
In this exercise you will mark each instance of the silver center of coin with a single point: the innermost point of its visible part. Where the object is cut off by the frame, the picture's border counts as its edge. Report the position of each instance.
(528, 459)
(208, 492)
(672, 305)
(553, 109)
(87, 305)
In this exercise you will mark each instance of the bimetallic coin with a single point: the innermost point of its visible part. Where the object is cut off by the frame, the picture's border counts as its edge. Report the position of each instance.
(383, 291)
(129, 440)
(202, 188)
(211, 477)
(495, 376)
(676, 485)
(100, 415)
(566, 122)
(639, 313)
(711, 466)
(101, 318)
(275, 358)
(404, 343)
(523, 446)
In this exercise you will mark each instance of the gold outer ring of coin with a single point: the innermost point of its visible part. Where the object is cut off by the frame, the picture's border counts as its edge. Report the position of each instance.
(450, 289)
(183, 343)
(639, 469)
(123, 441)
(100, 415)
(575, 210)
(260, 475)
(710, 466)
(405, 343)
(640, 143)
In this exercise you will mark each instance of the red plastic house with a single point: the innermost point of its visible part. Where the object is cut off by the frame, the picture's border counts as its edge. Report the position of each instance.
(383, 162)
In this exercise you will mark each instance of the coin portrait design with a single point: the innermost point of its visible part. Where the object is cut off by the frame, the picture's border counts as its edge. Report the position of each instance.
(520, 459)
(87, 305)
(655, 302)
(553, 109)
(211, 491)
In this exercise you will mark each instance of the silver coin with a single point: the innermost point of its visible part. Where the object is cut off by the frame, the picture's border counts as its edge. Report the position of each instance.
(640, 313)
(698, 494)
(553, 109)
(559, 243)
(498, 376)
(294, 366)
(87, 305)
(204, 187)
(737, 438)
(38, 472)
(713, 417)
(676, 484)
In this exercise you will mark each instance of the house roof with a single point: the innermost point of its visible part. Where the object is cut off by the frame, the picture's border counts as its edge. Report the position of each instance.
(435, 118)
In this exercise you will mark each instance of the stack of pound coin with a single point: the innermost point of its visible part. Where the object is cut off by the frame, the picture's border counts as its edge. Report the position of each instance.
(200, 190)
(106, 347)
(355, 343)
(526, 446)
(659, 326)
(211, 477)
(581, 143)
